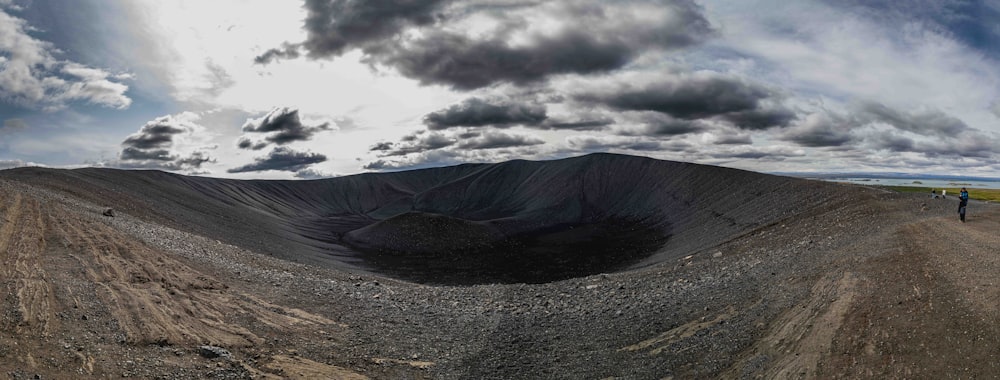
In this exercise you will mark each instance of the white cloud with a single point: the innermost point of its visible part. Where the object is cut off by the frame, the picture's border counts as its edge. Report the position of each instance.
(813, 49)
(10, 164)
(31, 75)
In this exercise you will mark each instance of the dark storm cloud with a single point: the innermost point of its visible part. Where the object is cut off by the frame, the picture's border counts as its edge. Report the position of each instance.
(286, 51)
(415, 143)
(654, 124)
(698, 96)
(603, 37)
(478, 112)
(494, 140)
(156, 134)
(583, 120)
(161, 159)
(381, 146)
(131, 154)
(246, 143)
(283, 159)
(972, 144)
(333, 26)
(822, 129)
(925, 123)
(759, 119)
(594, 124)
(153, 146)
(466, 64)
(194, 160)
(378, 165)
(733, 139)
(281, 126)
(604, 143)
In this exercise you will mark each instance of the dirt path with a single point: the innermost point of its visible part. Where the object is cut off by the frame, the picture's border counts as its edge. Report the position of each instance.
(929, 308)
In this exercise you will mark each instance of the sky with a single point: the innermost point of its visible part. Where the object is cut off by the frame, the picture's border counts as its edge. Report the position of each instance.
(320, 88)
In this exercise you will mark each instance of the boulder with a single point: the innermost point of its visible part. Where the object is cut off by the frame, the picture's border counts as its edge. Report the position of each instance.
(109, 212)
(213, 352)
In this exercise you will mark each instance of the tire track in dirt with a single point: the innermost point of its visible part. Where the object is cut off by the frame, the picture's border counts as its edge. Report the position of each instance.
(158, 300)
(29, 295)
(74, 287)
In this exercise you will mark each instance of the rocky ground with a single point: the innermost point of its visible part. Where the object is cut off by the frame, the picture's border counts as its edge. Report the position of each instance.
(872, 284)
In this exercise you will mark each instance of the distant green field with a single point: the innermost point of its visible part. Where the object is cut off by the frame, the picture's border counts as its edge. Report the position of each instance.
(992, 195)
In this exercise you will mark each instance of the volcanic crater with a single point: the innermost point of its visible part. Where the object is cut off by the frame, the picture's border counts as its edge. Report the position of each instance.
(513, 222)
(601, 266)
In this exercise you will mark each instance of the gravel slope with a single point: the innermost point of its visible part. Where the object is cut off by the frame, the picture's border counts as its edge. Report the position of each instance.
(857, 282)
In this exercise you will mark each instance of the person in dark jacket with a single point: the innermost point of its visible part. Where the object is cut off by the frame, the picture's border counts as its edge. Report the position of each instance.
(963, 202)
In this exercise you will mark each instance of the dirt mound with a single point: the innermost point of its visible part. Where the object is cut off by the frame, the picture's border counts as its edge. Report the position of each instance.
(670, 208)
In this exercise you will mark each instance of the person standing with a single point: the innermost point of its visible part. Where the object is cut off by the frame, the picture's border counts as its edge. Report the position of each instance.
(963, 202)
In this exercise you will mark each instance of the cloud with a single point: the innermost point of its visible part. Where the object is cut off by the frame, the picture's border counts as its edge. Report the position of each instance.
(971, 144)
(732, 139)
(247, 143)
(282, 159)
(444, 157)
(379, 164)
(693, 96)
(588, 143)
(772, 152)
(13, 125)
(334, 26)
(970, 22)
(381, 146)
(478, 112)
(496, 139)
(434, 42)
(9, 4)
(417, 142)
(156, 134)
(582, 124)
(10, 164)
(163, 143)
(31, 76)
(456, 142)
(656, 124)
(313, 173)
(821, 129)
(926, 122)
(217, 78)
(286, 51)
(281, 126)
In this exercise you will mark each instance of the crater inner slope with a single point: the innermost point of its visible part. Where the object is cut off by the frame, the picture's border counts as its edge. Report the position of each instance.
(517, 221)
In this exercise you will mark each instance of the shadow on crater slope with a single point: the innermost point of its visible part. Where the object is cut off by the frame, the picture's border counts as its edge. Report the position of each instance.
(517, 221)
